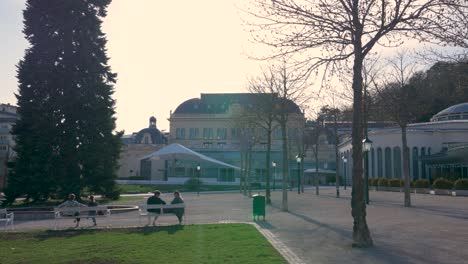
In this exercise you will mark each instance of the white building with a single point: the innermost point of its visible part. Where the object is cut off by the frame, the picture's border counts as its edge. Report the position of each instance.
(439, 147)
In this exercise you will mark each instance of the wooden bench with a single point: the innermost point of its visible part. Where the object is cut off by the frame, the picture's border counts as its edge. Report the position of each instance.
(7, 218)
(81, 212)
(143, 210)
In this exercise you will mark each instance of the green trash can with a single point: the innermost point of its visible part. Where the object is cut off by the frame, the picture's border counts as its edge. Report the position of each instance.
(258, 206)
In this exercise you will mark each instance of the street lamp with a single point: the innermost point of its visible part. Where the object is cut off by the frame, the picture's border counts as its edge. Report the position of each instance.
(367, 145)
(298, 159)
(198, 179)
(345, 160)
(273, 163)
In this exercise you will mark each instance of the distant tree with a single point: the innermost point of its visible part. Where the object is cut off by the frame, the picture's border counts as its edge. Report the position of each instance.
(65, 138)
(400, 100)
(333, 115)
(264, 116)
(312, 141)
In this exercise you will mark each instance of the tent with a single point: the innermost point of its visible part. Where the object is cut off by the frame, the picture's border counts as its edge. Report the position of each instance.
(320, 171)
(177, 151)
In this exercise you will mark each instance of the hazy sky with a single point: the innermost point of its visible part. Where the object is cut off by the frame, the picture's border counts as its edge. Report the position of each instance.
(164, 53)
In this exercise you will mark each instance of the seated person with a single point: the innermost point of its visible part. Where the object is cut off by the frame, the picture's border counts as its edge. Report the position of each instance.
(72, 203)
(179, 212)
(154, 200)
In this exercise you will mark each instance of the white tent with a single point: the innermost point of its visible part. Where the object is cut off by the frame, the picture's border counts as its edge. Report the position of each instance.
(177, 151)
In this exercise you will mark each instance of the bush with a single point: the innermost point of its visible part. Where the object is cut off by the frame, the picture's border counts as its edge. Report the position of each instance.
(442, 183)
(461, 184)
(193, 184)
(382, 182)
(373, 181)
(421, 183)
(113, 194)
(394, 182)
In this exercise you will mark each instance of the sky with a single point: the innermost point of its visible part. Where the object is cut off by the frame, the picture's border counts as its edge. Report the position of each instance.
(164, 52)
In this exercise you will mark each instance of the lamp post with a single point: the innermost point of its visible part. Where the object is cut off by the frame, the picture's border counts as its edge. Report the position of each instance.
(345, 160)
(298, 159)
(367, 145)
(198, 179)
(273, 163)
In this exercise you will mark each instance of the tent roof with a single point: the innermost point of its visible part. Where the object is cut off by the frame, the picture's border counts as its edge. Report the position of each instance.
(178, 151)
(319, 170)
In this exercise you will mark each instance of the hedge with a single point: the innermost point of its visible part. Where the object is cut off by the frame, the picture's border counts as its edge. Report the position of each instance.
(395, 182)
(442, 183)
(461, 184)
(383, 182)
(421, 183)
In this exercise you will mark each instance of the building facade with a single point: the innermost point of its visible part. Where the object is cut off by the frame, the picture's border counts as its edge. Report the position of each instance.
(210, 125)
(8, 117)
(437, 148)
(138, 145)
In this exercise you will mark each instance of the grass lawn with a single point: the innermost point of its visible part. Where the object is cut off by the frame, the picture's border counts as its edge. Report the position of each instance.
(233, 243)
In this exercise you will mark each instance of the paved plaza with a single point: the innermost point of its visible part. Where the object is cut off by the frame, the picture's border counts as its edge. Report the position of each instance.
(318, 229)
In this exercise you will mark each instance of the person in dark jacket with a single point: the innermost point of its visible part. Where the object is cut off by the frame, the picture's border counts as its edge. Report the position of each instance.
(154, 200)
(92, 214)
(179, 212)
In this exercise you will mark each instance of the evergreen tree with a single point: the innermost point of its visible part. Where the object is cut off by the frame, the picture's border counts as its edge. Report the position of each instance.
(65, 137)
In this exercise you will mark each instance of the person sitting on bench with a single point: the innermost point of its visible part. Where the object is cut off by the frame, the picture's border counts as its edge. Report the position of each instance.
(179, 212)
(154, 200)
(72, 203)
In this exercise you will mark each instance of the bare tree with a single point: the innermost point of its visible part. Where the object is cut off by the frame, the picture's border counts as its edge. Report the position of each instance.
(264, 116)
(290, 92)
(398, 101)
(328, 32)
(332, 114)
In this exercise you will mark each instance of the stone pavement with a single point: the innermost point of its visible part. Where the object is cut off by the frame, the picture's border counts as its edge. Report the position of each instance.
(318, 229)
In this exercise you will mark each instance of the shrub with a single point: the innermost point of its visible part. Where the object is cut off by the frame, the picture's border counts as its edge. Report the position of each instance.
(394, 182)
(461, 184)
(383, 182)
(255, 185)
(113, 194)
(373, 181)
(421, 183)
(193, 184)
(442, 183)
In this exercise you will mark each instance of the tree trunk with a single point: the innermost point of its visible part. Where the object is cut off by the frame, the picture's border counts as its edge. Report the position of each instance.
(317, 180)
(337, 162)
(302, 174)
(406, 167)
(284, 204)
(268, 161)
(249, 165)
(361, 234)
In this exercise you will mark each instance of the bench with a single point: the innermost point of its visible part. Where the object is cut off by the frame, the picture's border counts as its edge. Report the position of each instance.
(143, 210)
(6, 217)
(80, 212)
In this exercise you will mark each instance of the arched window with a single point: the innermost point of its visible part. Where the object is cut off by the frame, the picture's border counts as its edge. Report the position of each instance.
(388, 162)
(372, 164)
(423, 164)
(397, 162)
(379, 163)
(415, 163)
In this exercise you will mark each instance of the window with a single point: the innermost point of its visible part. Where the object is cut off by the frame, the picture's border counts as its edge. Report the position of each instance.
(397, 162)
(194, 133)
(277, 133)
(235, 133)
(415, 163)
(372, 165)
(379, 163)
(208, 133)
(423, 164)
(388, 162)
(221, 133)
(180, 133)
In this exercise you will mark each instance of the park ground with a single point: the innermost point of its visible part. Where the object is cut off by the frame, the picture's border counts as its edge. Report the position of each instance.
(318, 229)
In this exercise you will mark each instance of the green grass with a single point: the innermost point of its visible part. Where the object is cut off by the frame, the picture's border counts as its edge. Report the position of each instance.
(234, 243)
(173, 187)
